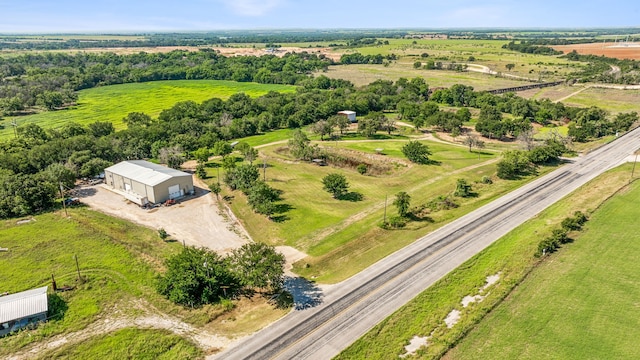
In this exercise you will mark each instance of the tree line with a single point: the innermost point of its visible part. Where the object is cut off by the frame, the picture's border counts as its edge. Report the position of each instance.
(50, 79)
(33, 165)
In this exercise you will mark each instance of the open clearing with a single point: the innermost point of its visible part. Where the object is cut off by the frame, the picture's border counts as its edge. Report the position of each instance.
(581, 303)
(619, 50)
(112, 103)
(511, 257)
(119, 262)
(195, 220)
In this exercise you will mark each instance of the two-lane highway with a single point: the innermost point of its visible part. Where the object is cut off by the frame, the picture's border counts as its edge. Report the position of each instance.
(357, 304)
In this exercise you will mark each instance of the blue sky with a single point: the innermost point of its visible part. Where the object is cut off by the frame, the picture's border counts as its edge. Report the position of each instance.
(165, 15)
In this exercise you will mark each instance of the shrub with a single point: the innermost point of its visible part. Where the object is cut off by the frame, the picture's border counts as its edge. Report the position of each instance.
(362, 169)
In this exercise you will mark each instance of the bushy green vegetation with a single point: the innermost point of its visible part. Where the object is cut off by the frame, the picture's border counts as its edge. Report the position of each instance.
(195, 277)
(129, 344)
(578, 306)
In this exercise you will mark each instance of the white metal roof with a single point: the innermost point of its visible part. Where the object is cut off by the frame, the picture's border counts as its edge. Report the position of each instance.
(145, 172)
(23, 304)
(346, 112)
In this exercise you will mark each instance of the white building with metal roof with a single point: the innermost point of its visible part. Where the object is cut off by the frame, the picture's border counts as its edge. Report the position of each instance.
(351, 115)
(21, 309)
(144, 182)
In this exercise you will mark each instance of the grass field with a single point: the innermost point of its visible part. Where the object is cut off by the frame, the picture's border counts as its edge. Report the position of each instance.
(120, 262)
(612, 100)
(365, 74)
(343, 236)
(129, 344)
(512, 258)
(485, 52)
(582, 304)
(112, 103)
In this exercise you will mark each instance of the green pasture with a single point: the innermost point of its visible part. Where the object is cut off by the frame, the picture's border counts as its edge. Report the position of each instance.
(117, 258)
(342, 237)
(612, 100)
(582, 304)
(129, 343)
(112, 103)
(512, 258)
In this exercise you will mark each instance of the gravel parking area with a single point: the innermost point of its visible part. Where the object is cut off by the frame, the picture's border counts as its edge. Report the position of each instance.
(196, 220)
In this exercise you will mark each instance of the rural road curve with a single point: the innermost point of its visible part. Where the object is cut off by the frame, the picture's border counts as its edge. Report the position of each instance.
(354, 306)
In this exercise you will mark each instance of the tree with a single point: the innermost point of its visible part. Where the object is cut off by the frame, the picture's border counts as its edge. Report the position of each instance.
(510, 66)
(463, 114)
(259, 266)
(201, 155)
(473, 141)
(201, 172)
(172, 156)
(299, 146)
(463, 188)
(94, 167)
(59, 174)
(249, 153)
(101, 128)
(242, 178)
(137, 119)
(262, 198)
(222, 148)
(417, 65)
(215, 188)
(195, 277)
(402, 202)
(514, 163)
(321, 128)
(416, 152)
(335, 184)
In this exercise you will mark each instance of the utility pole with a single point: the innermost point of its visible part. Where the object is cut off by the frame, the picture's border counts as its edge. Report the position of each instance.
(264, 170)
(15, 126)
(633, 169)
(218, 175)
(384, 221)
(64, 205)
(78, 269)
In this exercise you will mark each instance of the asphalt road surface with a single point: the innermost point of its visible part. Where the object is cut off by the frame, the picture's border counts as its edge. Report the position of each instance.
(354, 306)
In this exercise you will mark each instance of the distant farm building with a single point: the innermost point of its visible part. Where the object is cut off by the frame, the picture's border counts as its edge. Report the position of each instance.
(22, 309)
(351, 115)
(143, 182)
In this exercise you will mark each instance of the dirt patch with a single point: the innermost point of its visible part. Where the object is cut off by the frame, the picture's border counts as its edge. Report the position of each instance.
(196, 221)
(415, 344)
(619, 50)
(452, 318)
(207, 341)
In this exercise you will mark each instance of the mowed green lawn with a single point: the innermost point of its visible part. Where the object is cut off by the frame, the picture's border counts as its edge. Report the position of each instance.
(342, 237)
(112, 103)
(582, 303)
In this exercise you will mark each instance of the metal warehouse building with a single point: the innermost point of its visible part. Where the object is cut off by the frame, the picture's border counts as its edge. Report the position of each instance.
(143, 182)
(21, 309)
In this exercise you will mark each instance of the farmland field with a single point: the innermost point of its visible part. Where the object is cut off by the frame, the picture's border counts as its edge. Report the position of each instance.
(512, 330)
(620, 50)
(580, 304)
(112, 103)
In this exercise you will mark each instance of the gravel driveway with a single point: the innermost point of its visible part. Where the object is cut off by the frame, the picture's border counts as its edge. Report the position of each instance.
(196, 220)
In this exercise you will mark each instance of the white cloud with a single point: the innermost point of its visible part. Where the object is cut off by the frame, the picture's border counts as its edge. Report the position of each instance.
(252, 7)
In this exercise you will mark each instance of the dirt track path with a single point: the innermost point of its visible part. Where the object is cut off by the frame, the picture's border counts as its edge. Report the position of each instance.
(153, 319)
(572, 94)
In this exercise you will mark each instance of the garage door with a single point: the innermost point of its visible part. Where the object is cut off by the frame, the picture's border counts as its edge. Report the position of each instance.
(174, 191)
